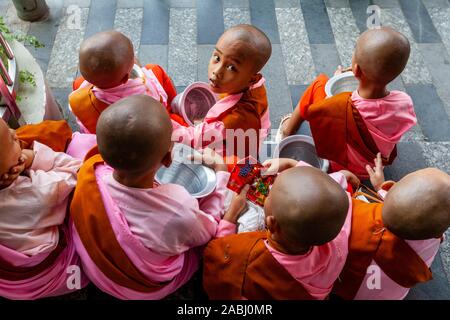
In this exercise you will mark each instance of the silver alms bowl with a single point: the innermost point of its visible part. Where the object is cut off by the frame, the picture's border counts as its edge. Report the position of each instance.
(198, 180)
(344, 82)
(300, 148)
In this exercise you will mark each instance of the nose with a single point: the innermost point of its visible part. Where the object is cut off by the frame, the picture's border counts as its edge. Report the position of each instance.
(217, 72)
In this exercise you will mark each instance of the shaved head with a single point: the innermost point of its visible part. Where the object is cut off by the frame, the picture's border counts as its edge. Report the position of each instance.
(134, 134)
(256, 45)
(382, 54)
(418, 206)
(309, 207)
(106, 59)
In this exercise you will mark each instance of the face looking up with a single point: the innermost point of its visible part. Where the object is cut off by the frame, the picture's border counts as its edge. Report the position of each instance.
(231, 69)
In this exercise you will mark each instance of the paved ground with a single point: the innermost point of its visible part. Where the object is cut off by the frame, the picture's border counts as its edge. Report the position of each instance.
(308, 37)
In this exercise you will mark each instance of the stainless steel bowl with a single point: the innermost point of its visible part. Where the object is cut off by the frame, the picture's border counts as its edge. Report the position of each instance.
(198, 180)
(344, 82)
(301, 148)
(136, 72)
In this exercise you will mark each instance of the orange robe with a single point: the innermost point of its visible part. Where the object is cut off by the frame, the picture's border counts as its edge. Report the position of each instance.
(87, 108)
(370, 240)
(336, 123)
(240, 266)
(246, 114)
(54, 134)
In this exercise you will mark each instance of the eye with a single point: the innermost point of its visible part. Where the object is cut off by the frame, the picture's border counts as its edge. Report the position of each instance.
(216, 58)
(231, 68)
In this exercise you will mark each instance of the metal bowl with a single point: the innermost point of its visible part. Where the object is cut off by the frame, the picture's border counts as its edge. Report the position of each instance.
(136, 72)
(194, 102)
(301, 148)
(344, 82)
(198, 180)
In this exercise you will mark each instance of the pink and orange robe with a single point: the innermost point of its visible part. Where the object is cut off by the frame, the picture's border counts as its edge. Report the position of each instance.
(87, 102)
(349, 130)
(37, 253)
(140, 243)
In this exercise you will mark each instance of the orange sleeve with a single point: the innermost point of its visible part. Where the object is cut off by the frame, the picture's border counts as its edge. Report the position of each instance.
(87, 108)
(314, 93)
(169, 88)
(54, 134)
(77, 83)
(164, 80)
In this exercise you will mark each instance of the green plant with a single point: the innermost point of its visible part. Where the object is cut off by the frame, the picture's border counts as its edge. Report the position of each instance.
(27, 39)
(26, 76)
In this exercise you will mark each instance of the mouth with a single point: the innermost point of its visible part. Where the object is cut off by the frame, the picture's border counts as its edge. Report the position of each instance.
(213, 83)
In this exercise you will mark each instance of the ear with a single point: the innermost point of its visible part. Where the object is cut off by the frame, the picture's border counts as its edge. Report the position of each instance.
(271, 224)
(167, 160)
(255, 78)
(357, 71)
(125, 78)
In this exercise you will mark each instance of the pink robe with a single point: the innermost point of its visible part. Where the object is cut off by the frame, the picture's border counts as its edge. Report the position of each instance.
(35, 205)
(32, 209)
(160, 229)
(387, 120)
(80, 145)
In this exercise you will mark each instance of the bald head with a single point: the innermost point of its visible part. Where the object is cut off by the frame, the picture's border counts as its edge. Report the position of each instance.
(134, 134)
(257, 44)
(106, 59)
(309, 207)
(382, 54)
(418, 206)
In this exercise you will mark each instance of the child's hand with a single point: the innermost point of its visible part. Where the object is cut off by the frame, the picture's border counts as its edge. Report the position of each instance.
(285, 127)
(8, 178)
(351, 178)
(274, 166)
(210, 159)
(29, 157)
(376, 174)
(238, 206)
(341, 70)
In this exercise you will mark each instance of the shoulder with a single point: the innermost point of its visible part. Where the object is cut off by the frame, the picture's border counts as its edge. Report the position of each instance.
(240, 241)
(244, 116)
(401, 96)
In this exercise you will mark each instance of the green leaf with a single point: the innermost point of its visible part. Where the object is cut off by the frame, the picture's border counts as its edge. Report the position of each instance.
(26, 76)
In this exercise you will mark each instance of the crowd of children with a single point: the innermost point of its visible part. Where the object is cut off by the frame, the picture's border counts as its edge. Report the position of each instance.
(89, 201)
